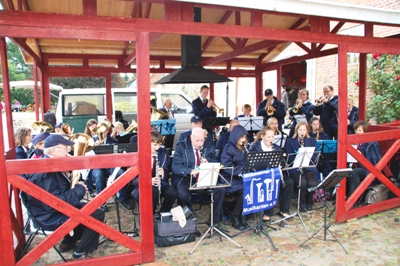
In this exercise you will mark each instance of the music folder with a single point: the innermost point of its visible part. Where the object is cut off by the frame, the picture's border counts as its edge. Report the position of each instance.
(208, 175)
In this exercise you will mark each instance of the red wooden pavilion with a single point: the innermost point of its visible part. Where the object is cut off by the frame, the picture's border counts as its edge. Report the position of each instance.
(97, 38)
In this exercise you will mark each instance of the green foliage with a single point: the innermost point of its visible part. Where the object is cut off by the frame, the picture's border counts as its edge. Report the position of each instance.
(383, 79)
(88, 82)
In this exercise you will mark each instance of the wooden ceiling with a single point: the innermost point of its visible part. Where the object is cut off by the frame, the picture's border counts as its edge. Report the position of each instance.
(165, 48)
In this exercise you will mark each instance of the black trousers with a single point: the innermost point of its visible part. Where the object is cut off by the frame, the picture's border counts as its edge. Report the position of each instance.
(308, 180)
(169, 195)
(184, 195)
(354, 180)
(285, 195)
(89, 239)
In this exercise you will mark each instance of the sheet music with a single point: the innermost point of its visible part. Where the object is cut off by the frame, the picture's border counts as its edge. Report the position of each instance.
(350, 158)
(280, 140)
(300, 118)
(255, 124)
(208, 175)
(299, 161)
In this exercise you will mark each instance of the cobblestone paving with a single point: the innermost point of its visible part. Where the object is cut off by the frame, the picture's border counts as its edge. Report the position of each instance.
(371, 240)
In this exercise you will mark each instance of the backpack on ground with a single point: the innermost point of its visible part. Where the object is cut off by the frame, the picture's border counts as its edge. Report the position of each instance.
(376, 193)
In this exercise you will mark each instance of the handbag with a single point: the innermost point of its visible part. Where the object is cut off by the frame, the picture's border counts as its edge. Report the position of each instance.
(170, 233)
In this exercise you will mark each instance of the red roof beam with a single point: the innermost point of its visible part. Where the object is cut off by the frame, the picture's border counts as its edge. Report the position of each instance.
(89, 7)
(223, 20)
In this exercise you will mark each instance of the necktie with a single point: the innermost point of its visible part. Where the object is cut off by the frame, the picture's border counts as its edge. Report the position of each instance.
(204, 102)
(170, 114)
(197, 162)
(154, 166)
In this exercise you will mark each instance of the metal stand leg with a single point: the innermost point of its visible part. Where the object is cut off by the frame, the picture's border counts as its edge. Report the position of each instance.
(212, 227)
(297, 213)
(326, 228)
(132, 233)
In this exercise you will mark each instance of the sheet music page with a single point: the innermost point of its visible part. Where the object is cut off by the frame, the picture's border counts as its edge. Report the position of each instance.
(350, 158)
(300, 118)
(308, 153)
(208, 175)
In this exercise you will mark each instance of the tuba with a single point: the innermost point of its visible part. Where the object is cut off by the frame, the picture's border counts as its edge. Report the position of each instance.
(99, 130)
(132, 127)
(157, 114)
(83, 144)
(42, 126)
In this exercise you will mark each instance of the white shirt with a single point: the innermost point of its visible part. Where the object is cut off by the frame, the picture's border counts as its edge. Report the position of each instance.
(265, 148)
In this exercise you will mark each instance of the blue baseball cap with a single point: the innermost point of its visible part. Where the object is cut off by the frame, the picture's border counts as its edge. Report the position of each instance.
(195, 119)
(40, 137)
(55, 139)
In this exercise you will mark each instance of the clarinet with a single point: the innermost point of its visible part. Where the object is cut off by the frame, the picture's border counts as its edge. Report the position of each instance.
(159, 185)
(245, 147)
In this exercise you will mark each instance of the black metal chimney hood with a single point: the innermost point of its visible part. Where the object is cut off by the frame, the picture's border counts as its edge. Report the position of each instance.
(191, 70)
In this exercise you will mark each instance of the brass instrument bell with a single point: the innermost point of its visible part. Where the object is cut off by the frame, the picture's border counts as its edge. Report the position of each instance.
(66, 129)
(157, 114)
(99, 130)
(83, 144)
(42, 126)
(132, 127)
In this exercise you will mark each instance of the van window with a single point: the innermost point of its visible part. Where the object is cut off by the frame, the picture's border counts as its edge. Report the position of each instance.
(127, 101)
(84, 104)
(179, 103)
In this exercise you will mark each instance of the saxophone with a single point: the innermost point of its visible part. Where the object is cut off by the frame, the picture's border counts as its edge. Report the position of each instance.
(159, 185)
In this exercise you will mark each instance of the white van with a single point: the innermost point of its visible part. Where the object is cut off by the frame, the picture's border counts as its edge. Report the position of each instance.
(77, 106)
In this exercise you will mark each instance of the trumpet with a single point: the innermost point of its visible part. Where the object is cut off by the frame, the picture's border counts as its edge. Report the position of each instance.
(268, 108)
(216, 108)
(297, 106)
(320, 100)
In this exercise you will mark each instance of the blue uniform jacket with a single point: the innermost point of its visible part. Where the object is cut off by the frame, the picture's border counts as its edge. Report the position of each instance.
(279, 113)
(20, 153)
(57, 184)
(232, 157)
(293, 145)
(184, 160)
(202, 110)
(327, 112)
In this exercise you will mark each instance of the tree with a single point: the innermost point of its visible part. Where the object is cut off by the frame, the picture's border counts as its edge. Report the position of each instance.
(383, 80)
(88, 82)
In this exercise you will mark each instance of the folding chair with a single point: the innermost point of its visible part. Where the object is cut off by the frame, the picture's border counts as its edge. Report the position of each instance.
(33, 228)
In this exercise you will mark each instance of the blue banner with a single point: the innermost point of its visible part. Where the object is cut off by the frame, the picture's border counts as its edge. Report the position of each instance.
(261, 190)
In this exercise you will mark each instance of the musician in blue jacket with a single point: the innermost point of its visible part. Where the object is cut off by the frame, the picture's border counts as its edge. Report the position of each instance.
(160, 176)
(271, 107)
(302, 110)
(234, 155)
(264, 142)
(23, 138)
(203, 107)
(309, 179)
(59, 185)
(326, 107)
(188, 155)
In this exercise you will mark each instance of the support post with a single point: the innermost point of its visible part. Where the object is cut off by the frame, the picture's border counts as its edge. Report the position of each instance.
(259, 84)
(342, 130)
(145, 189)
(7, 256)
(109, 103)
(279, 82)
(362, 89)
(35, 90)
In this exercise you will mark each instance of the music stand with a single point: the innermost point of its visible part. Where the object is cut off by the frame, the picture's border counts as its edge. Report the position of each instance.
(211, 174)
(256, 161)
(302, 160)
(331, 181)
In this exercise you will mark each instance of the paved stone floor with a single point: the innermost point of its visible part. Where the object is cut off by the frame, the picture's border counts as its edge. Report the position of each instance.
(371, 240)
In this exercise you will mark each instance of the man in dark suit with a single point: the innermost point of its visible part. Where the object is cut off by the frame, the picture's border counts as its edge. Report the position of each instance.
(271, 107)
(327, 107)
(167, 108)
(203, 107)
(352, 116)
(189, 153)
